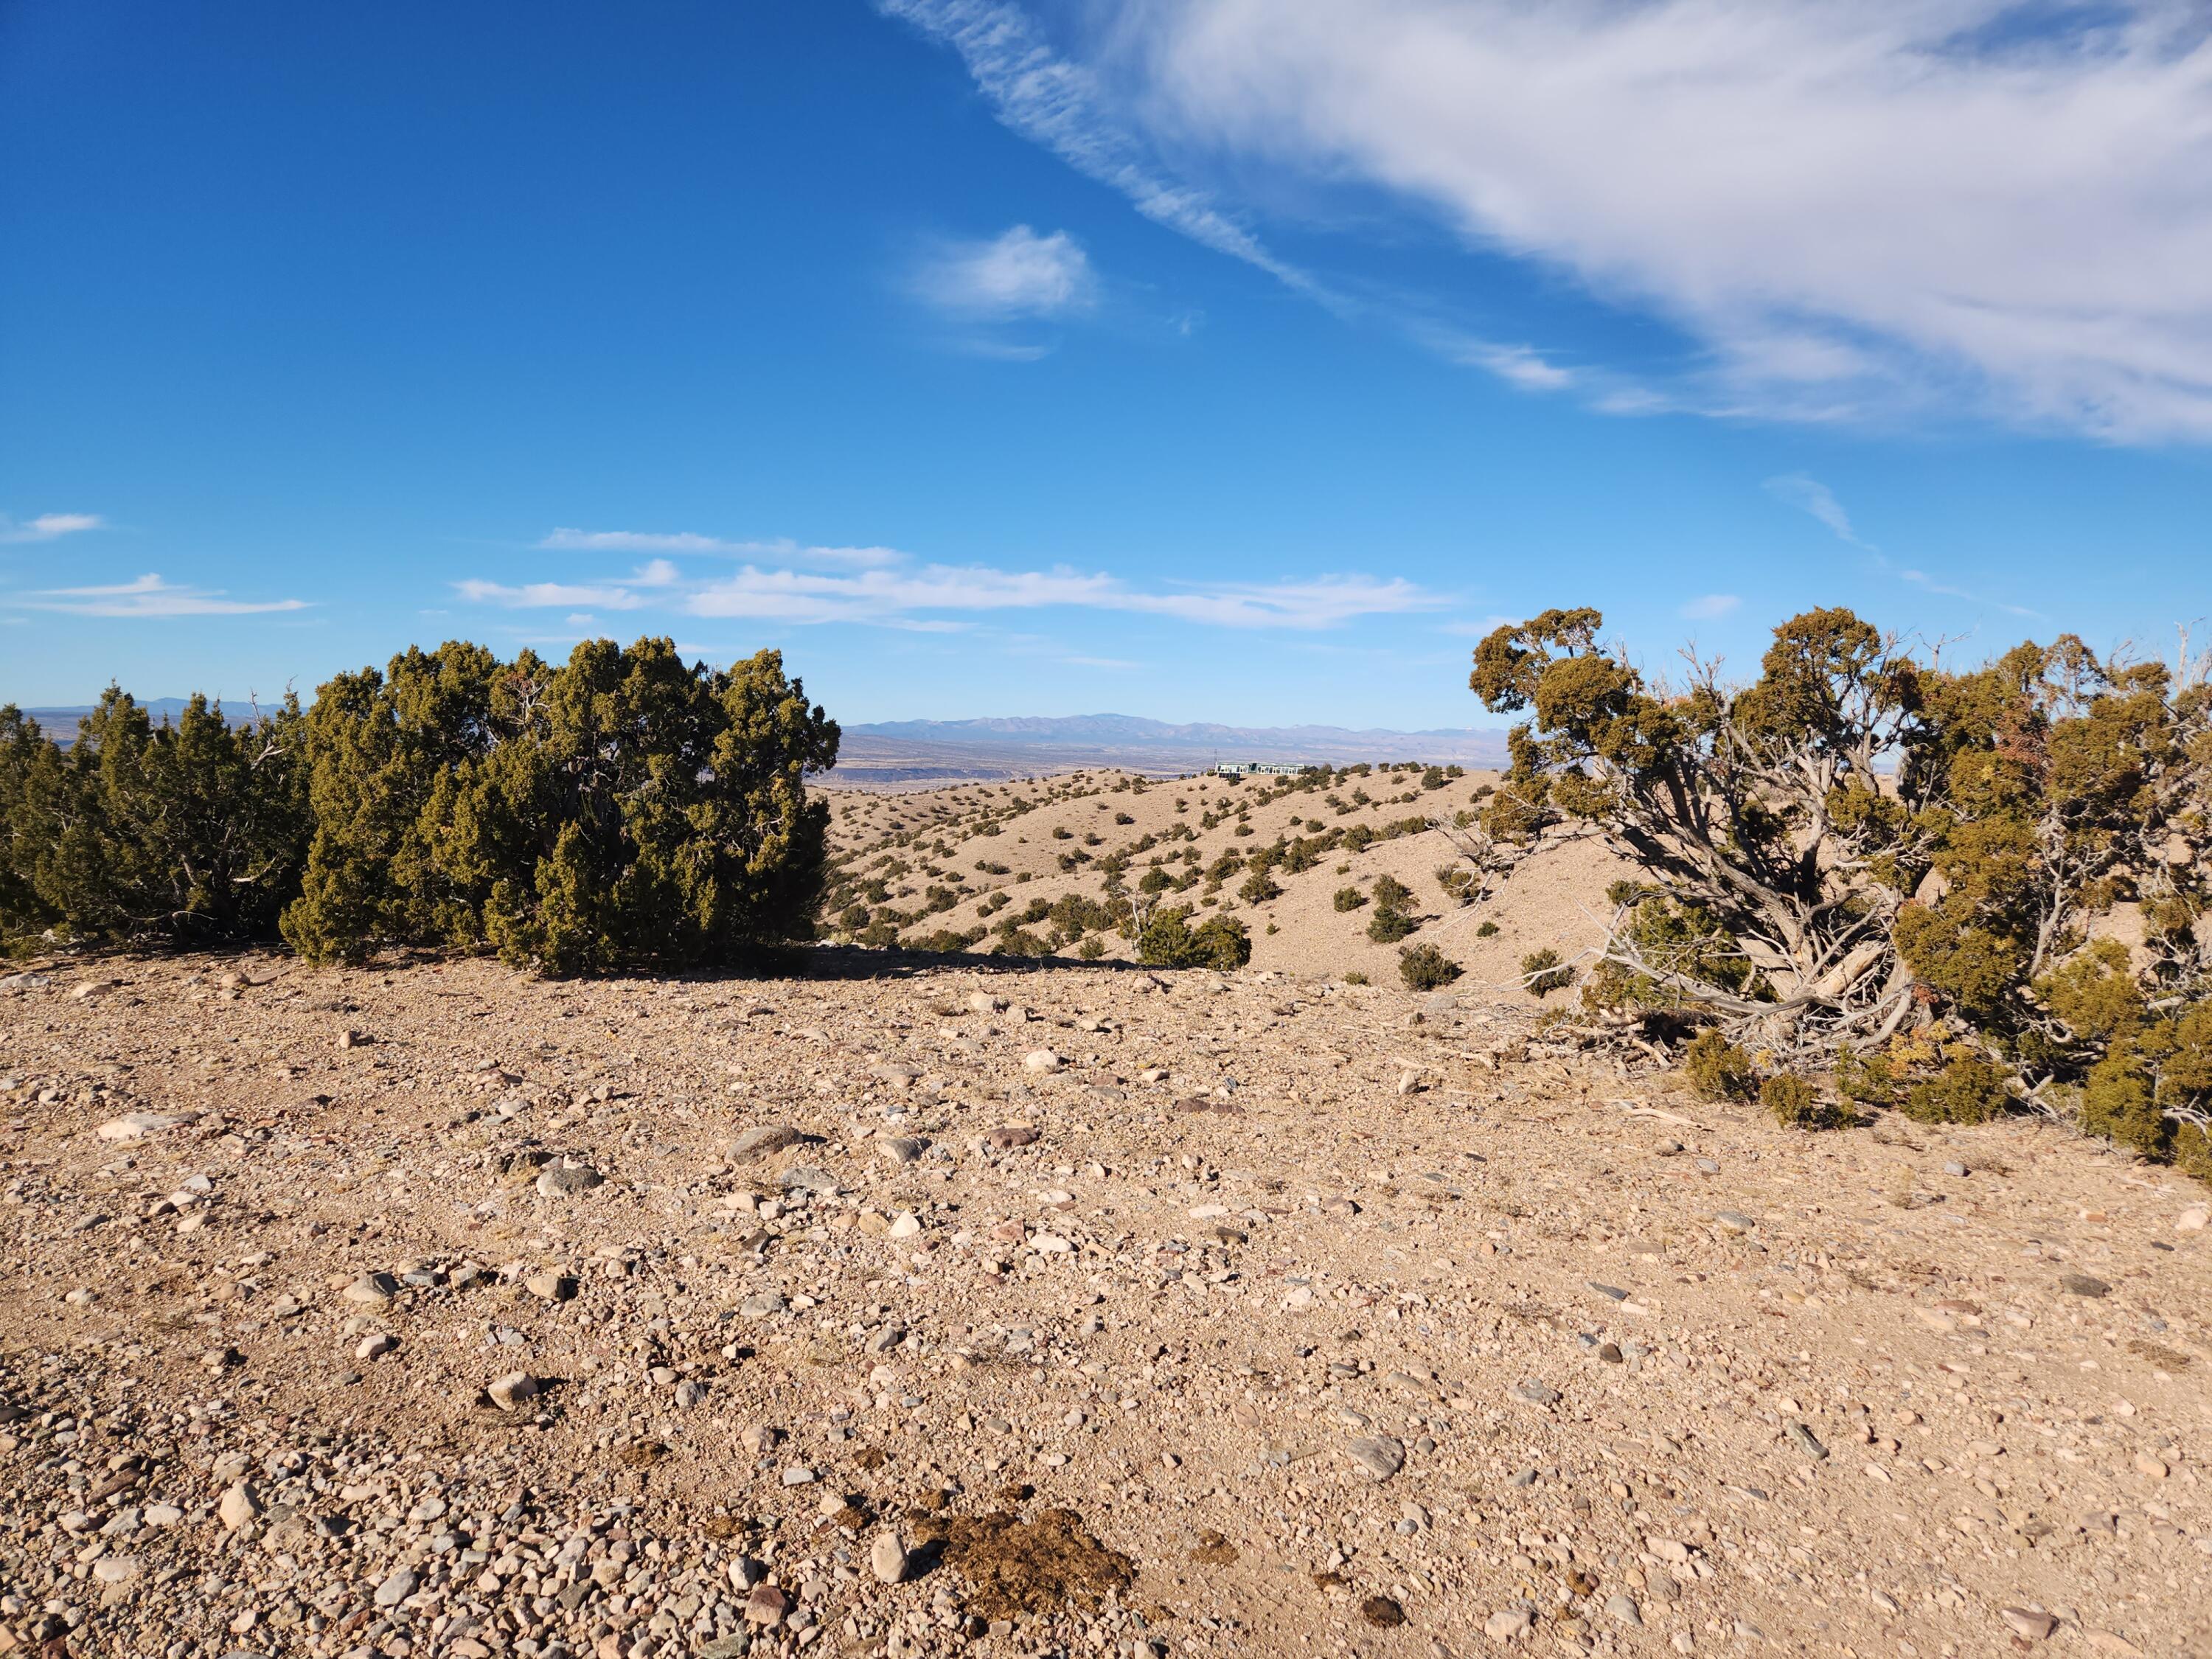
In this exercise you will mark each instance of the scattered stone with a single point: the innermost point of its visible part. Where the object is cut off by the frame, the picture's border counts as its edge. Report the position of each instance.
(1509, 1623)
(763, 1141)
(1378, 1456)
(237, 1507)
(2034, 1626)
(1622, 1609)
(1042, 1059)
(2082, 1284)
(137, 1126)
(566, 1179)
(887, 1557)
(901, 1149)
(1534, 1393)
(513, 1389)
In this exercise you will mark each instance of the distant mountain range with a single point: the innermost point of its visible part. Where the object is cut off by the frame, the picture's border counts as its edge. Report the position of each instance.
(1314, 743)
(1015, 745)
(61, 724)
(1020, 746)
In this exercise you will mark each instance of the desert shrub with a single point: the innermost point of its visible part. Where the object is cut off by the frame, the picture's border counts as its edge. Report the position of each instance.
(1717, 1069)
(1076, 914)
(1168, 940)
(622, 809)
(1392, 894)
(1015, 941)
(1092, 948)
(1425, 968)
(1968, 1089)
(1461, 886)
(1487, 930)
(1350, 898)
(945, 940)
(1542, 972)
(1353, 976)
(1387, 925)
(191, 832)
(1865, 1078)
(1259, 887)
(1795, 1103)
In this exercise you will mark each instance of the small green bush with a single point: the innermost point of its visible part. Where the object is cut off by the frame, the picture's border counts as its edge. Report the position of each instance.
(1425, 968)
(1353, 976)
(1969, 1089)
(1717, 1069)
(1542, 972)
(1169, 941)
(1488, 930)
(1866, 1079)
(1795, 1103)
(1350, 898)
(1388, 925)
(1259, 887)
(1391, 894)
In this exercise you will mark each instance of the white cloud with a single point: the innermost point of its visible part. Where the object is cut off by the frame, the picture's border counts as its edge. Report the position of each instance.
(149, 596)
(1811, 495)
(895, 591)
(1711, 607)
(1895, 205)
(876, 596)
(49, 526)
(632, 541)
(1017, 275)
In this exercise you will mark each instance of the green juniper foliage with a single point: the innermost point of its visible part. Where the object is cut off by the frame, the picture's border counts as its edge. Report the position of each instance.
(622, 809)
(191, 832)
(1890, 871)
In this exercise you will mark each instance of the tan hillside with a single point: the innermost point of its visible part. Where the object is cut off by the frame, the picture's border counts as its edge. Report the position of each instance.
(1004, 849)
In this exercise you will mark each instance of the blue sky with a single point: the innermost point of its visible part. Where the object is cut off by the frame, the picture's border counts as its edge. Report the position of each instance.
(1202, 359)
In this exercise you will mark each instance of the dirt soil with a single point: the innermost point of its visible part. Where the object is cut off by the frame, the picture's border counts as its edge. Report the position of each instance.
(897, 1308)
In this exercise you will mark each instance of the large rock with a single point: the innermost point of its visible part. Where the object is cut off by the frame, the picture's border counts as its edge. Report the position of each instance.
(763, 1139)
(137, 1126)
(237, 1507)
(1378, 1456)
(564, 1180)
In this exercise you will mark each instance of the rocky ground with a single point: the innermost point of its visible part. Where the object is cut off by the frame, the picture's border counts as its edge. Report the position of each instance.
(890, 1309)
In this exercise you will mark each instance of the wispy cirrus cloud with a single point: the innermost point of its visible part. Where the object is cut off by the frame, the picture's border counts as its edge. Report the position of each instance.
(896, 591)
(49, 526)
(150, 597)
(1711, 607)
(1811, 496)
(632, 541)
(1848, 212)
(1018, 275)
